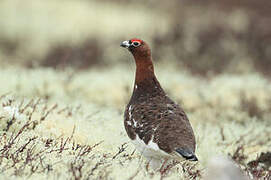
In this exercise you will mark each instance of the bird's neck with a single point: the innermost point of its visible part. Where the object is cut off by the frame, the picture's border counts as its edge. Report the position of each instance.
(144, 70)
(145, 79)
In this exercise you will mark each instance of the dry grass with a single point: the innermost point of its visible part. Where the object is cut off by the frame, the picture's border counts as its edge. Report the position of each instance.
(67, 123)
(86, 139)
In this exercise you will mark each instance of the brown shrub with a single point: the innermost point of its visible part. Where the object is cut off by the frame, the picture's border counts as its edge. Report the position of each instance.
(250, 105)
(258, 39)
(9, 46)
(259, 168)
(85, 55)
(209, 54)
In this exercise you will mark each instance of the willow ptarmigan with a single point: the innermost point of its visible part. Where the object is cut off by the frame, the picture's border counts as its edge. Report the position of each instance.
(157, 126)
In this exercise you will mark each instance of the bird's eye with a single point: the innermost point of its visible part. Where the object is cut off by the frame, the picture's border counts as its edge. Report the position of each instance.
(135, 43)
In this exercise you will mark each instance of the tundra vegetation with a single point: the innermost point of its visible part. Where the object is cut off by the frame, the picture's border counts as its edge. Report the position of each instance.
(65, 83)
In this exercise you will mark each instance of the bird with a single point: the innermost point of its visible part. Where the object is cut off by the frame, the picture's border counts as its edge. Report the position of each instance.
(157, 126)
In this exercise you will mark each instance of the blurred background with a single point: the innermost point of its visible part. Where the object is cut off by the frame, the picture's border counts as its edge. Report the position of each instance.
(212, 57)
(204, 37)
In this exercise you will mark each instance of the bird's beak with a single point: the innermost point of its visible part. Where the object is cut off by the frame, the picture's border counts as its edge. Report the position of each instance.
(125, 44)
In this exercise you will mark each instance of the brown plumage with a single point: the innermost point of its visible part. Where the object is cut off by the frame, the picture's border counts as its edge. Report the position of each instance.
(157, 126)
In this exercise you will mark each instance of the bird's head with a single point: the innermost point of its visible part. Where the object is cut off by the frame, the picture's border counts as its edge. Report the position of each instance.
(143, 59)
(137, 47)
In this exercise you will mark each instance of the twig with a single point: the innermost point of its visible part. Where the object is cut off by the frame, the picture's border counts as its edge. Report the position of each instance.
(121, 149)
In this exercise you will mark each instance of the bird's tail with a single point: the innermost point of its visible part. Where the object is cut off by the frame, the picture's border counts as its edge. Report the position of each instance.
(187, 154)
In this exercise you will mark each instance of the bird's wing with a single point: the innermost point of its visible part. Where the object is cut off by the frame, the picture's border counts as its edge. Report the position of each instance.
(163, 122)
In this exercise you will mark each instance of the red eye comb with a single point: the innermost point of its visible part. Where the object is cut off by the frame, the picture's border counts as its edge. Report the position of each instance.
(135, 39)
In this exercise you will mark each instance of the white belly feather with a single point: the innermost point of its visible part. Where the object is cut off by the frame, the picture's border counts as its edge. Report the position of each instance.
(150, 150)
